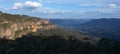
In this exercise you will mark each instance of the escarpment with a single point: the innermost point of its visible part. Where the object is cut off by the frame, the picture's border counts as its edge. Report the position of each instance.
(14, 26)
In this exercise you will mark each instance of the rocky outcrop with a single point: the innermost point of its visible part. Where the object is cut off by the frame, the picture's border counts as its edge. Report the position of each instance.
(12, 29)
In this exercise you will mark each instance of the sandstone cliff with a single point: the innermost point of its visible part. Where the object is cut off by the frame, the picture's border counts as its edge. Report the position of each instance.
(14, 26)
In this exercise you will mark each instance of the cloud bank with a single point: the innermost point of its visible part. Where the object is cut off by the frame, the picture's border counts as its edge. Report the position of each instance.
(27, 5)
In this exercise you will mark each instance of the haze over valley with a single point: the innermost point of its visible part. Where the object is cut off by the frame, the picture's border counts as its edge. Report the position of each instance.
(103, 27)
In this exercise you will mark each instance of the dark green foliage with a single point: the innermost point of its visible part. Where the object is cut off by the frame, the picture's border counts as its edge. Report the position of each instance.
(110, 45)
(19, 32)
(85, 38)
(30, 44)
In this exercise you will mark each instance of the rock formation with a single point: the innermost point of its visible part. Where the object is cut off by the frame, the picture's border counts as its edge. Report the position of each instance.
(14, 26)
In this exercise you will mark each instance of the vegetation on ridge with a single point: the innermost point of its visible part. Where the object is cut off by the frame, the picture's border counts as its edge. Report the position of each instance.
(55, 44)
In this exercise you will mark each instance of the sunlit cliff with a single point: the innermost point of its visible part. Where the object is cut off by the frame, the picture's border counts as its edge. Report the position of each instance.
(14, 26)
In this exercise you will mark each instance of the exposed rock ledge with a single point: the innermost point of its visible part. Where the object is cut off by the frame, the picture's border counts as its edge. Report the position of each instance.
(12, 28)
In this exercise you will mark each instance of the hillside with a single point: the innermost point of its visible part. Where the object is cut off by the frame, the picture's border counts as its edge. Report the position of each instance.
(66, 34)
(14, 26)
(56, 44)
(21, 34)
(109, 28)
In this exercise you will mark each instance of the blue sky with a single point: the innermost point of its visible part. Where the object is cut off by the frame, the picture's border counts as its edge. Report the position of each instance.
(63, 9)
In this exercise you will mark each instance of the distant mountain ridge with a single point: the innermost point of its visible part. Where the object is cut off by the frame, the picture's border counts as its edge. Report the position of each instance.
(70, 23)
(103, 27)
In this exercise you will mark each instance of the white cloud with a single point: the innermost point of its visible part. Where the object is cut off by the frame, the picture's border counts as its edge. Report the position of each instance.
(27, 5)
(113, 5)
(18, 5)
(45, 11)
(107, 10)
(49, 11)
(32, 4)
(101, 11)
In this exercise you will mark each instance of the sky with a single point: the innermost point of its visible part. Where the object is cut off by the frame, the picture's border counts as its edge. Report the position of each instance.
(63, 9)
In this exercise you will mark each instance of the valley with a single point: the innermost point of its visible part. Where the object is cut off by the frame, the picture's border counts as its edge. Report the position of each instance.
(24, 34)
(108, 28)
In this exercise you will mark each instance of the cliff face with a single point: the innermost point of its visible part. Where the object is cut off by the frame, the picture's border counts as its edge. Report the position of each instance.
(14, 26)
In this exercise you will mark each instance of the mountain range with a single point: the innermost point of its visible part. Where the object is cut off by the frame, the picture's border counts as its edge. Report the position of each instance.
(15, 26)
(22, 34)
(109, 28)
